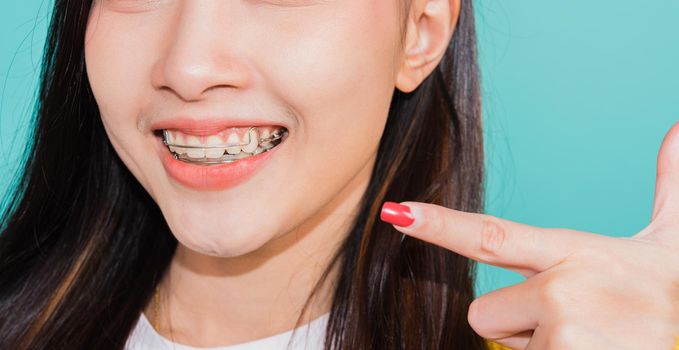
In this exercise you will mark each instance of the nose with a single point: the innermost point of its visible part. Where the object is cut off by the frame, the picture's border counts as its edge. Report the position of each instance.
(201, 52)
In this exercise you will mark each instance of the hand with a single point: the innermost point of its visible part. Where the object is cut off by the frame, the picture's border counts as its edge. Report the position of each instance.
(583, 290)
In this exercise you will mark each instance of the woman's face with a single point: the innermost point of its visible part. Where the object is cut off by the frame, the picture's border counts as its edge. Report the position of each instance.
(323, 69)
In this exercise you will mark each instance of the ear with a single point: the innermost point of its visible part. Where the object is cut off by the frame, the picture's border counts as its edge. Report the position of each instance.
(429, 29)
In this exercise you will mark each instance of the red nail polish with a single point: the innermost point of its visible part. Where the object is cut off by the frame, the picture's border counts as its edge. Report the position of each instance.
(397, 214)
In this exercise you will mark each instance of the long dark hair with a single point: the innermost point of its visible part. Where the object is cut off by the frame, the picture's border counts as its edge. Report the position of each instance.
(82, 245)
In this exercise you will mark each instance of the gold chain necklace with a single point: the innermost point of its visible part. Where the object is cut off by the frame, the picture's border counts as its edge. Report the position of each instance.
(156, 306)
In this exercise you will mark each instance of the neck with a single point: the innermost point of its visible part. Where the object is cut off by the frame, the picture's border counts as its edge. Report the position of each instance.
(262, 293)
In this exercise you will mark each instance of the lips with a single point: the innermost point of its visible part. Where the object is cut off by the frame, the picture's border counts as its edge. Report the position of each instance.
(211, 177)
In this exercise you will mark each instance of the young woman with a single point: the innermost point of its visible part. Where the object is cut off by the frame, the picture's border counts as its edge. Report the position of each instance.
(213, 174)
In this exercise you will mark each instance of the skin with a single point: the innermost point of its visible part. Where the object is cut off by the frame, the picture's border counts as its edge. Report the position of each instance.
(583, 291)
(325, 68)
(150, 60)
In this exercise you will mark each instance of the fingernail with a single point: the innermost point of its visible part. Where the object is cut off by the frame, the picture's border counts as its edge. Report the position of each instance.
(396, 214)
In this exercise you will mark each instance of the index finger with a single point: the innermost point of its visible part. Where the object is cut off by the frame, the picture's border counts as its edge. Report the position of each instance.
(522, 248)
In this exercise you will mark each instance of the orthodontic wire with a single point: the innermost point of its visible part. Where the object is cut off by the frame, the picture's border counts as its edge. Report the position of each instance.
(273, 137)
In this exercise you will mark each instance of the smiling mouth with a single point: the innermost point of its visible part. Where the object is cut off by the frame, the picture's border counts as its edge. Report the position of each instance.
(222, 148)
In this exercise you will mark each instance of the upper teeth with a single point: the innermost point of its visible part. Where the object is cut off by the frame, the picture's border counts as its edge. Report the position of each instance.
(229, 141)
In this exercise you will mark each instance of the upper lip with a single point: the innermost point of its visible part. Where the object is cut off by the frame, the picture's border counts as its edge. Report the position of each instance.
(208, 126)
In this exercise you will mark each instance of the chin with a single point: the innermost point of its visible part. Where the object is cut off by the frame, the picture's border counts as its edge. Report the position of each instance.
(219, 239)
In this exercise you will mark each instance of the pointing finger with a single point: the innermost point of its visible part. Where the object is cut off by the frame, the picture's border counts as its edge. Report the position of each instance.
(484, 238)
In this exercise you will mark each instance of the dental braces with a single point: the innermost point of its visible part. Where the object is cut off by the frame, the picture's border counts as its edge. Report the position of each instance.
(274, 139)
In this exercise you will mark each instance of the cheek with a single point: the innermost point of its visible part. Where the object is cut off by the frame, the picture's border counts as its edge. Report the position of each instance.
(119, 55)
(337, 70)
(114, 72)
(117, 66)
(341, 55)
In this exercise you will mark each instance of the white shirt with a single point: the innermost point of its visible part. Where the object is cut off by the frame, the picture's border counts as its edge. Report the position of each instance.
(307, 337)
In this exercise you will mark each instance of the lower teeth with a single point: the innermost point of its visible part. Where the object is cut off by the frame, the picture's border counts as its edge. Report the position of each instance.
(226, 158)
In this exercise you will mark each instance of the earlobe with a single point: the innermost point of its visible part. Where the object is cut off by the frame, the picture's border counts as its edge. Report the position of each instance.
(429, 29)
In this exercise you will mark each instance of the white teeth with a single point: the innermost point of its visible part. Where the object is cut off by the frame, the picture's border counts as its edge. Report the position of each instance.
(214, 152)
(199, 149)
(233, 140)
(194, 152)
(191, 140)
(213, 140)
(254, 141)
(169, 136)
(265, 134)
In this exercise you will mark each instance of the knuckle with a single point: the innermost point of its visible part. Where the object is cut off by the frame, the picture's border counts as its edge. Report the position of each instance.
(493, 239)
(553, 295)
(564, 336)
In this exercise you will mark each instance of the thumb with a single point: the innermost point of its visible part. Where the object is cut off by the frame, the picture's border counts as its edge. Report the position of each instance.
(666, 203)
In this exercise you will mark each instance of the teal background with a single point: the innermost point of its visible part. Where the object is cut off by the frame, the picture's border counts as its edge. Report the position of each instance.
(577, 98)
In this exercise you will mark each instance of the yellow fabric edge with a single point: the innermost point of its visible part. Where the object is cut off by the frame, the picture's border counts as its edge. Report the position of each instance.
(496, 346)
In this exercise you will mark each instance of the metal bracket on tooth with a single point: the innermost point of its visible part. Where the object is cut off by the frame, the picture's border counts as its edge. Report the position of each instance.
(277, 134)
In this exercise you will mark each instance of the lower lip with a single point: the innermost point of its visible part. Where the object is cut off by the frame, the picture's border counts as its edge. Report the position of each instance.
(214, 177)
